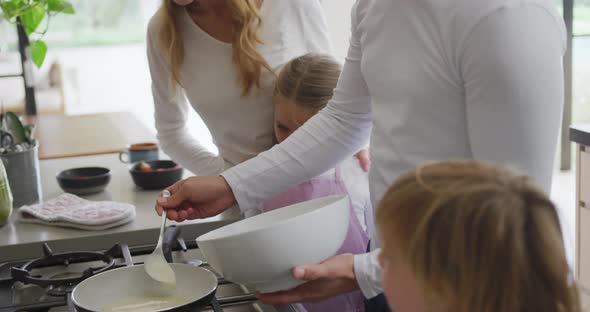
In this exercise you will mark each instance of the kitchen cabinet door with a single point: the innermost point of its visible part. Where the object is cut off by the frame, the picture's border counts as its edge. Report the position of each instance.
(584, 245)
(585, 176)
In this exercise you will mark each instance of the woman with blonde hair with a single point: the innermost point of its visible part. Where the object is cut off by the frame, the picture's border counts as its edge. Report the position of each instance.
(222, 55)
(469, 236)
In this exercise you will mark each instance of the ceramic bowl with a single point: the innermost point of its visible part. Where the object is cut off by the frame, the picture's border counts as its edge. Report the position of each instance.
(84, 181)
(162, 174)
(260, 252)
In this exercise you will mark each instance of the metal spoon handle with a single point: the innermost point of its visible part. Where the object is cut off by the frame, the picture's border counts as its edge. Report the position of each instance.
(162, 226)
(165, 194)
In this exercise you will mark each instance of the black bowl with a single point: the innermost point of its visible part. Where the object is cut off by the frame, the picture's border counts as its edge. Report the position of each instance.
(163, 173)
(84, 181)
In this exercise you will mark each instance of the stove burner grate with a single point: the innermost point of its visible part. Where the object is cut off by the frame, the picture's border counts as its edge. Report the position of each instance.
(24, 273)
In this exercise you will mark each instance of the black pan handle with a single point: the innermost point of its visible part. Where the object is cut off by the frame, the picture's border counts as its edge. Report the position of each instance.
(170, 239)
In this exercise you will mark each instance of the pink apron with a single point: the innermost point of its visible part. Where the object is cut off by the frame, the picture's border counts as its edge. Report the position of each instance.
(356, 239)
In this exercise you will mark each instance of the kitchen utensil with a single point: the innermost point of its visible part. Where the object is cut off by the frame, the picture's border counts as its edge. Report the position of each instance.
(156, 265)
(128, 285)
(259, 252)
(6, 139)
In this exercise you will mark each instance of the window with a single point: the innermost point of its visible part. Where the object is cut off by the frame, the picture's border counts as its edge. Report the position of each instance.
(581, 62)
(96, 22)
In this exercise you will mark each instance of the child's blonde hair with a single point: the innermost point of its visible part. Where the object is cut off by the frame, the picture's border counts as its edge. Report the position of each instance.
(478, 238)
(308, 80)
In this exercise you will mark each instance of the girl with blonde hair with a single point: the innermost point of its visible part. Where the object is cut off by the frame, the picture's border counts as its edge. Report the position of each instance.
(222, 55)
(303, 87)
(467, 236)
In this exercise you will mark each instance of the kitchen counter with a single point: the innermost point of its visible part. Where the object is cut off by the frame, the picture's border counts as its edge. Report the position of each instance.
(62, 136)
(23, 240)
(580, 134)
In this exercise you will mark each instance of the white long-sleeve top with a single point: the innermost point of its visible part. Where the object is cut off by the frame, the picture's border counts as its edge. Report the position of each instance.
(241, 126)
(438, 79)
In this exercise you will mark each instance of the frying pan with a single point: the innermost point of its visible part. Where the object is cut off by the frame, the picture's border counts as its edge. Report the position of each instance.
(195, 287)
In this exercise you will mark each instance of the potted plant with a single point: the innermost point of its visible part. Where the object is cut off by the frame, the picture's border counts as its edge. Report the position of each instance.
(29, 14)
(19, 153)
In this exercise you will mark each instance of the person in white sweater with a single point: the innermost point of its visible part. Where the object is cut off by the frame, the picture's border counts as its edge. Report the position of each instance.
(436, 80)
(221, 56)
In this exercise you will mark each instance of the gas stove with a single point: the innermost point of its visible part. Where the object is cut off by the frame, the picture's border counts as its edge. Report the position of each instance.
(44, 284)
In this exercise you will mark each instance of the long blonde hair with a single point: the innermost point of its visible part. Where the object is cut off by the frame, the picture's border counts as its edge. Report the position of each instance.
(246, 23)
(478, 238)
(308, 80)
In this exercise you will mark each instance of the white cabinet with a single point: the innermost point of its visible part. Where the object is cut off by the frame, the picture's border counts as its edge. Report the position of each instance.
(583, 220)
(584, 176)
(584, 249)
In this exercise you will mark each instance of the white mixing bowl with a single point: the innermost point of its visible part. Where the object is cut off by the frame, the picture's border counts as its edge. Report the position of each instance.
(260, 252)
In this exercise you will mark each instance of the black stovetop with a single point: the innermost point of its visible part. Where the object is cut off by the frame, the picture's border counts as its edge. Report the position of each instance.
(18, 296)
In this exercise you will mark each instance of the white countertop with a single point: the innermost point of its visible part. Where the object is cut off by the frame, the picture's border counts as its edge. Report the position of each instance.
(22, 240)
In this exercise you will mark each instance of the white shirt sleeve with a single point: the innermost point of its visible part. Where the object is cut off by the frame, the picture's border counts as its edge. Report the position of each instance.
(325, 140)
(513, 77)
(368, 273)
(171, 113)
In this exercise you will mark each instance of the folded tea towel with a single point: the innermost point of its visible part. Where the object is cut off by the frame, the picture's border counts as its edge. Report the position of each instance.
(68, 210)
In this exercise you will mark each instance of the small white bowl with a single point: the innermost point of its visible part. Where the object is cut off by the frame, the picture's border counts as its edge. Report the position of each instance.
(260, 252)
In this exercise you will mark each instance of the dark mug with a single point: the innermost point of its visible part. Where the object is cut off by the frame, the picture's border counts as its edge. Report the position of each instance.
(139, 151)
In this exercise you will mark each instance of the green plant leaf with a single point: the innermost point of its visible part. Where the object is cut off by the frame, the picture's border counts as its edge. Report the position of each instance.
(69, 8)
(9, 9)
(20, 4)
(61, 6)
(38, 52)
(16, 128)
(29, 132)
(32, 19)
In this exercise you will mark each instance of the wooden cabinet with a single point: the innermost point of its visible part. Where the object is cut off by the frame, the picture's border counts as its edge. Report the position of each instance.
(583, 223)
